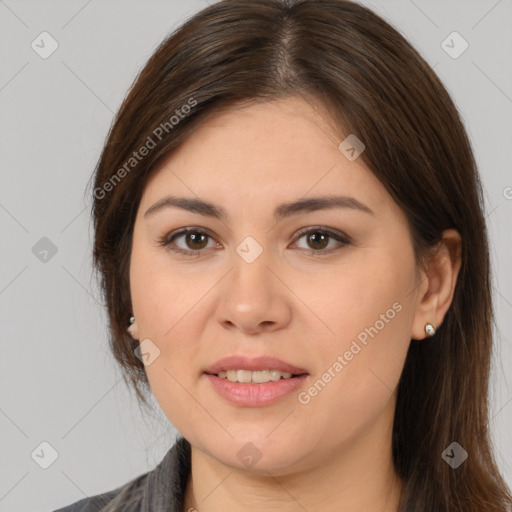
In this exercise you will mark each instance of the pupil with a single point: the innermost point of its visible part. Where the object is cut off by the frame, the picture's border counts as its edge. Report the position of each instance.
(195, 237)
(323, 239)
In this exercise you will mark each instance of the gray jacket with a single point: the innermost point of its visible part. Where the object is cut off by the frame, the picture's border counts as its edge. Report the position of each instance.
(159, 490)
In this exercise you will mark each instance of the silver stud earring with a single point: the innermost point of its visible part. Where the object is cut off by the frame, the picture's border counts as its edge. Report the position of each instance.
(430, 329)
(132, 319)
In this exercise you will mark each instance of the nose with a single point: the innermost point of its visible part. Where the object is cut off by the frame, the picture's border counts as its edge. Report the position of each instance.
(253, 297)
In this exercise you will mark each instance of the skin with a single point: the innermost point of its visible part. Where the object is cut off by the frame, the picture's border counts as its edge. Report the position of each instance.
(333, 453)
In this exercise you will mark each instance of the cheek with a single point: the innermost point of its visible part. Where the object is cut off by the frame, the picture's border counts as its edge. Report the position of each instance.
(168, 313)
(366, 299)
(160, 297)
(178, 399)
(371, 316)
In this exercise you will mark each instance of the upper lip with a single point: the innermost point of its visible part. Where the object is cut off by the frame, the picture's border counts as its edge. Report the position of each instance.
(253, 364)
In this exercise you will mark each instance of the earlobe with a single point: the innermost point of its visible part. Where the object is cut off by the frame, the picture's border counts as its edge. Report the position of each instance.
(133, 330)
(441, 277)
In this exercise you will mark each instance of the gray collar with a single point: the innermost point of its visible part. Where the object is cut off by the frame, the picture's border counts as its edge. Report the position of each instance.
(164, 489)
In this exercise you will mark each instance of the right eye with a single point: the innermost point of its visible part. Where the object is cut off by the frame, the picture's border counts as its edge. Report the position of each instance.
(194, 239)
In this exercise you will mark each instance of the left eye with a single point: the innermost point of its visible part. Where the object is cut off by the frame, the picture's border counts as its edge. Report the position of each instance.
(320, 238)
(197, 240)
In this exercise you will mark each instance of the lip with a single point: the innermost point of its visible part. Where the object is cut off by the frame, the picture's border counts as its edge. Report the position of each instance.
(253, 364)
(252, 394)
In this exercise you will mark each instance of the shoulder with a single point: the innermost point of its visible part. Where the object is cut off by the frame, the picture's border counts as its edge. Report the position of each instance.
(126, 498)
(163, 488)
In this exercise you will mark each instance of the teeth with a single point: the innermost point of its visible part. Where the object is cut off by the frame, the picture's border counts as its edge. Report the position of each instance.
(259, 376)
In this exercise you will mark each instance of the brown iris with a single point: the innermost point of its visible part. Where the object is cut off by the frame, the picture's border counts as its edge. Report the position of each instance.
(200, 239)
(318, 238)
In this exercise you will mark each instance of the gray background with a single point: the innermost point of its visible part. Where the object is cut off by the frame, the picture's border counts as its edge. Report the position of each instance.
(59, 383)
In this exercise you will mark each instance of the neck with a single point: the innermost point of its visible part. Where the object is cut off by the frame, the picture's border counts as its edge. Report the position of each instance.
(358, 476)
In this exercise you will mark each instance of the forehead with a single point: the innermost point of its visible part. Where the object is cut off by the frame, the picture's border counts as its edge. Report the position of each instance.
(265, 153)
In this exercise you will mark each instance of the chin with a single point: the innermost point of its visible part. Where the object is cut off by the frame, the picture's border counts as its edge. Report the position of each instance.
(259, 455)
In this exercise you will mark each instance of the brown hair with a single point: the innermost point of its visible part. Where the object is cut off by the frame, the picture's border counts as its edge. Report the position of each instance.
(377, 86)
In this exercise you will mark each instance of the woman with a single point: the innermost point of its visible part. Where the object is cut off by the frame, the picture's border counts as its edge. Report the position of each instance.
(290, 235)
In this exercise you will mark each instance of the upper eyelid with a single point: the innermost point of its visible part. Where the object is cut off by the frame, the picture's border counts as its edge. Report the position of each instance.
(180, 232)
(321, 229)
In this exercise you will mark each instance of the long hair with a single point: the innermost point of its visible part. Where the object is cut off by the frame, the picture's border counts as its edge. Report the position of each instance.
(375, 85)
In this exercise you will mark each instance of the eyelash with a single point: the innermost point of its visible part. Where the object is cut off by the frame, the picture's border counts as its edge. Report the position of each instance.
(167, 240)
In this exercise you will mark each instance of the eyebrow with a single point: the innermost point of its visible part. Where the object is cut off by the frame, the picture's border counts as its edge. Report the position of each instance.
(282, 211)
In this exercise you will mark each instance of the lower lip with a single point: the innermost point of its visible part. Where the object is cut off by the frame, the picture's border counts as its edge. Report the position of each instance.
(253, 394)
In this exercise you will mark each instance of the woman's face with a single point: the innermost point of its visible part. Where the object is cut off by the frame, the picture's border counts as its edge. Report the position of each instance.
(332, 291)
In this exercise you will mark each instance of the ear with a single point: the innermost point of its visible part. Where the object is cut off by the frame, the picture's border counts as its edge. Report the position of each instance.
(438, 282)
(134, 330)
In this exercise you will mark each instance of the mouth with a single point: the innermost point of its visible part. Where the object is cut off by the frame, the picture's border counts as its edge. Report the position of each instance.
(256, 376)
(254, 382)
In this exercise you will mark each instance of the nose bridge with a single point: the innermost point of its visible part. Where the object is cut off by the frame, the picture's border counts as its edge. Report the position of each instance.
(250, 276)
(252, 296)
